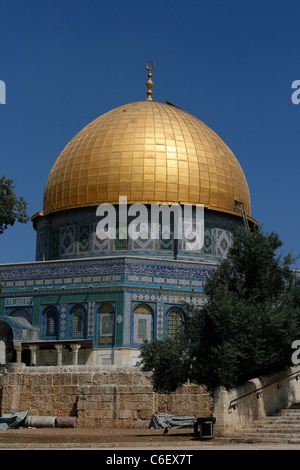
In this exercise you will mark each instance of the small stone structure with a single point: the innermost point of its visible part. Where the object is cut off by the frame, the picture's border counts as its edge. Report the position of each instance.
(99, 396)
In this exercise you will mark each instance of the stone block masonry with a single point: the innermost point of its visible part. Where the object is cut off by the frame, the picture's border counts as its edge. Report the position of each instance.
(106, 397)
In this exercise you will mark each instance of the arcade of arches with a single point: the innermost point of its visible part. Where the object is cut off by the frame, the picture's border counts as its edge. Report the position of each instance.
(57, 352)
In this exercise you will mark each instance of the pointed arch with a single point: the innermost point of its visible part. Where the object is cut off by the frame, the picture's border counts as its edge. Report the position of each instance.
(175, 321)
(50, 323)
(106, 323)
(22, 315)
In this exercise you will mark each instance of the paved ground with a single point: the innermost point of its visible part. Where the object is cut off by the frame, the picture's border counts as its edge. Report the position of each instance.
(97, 439)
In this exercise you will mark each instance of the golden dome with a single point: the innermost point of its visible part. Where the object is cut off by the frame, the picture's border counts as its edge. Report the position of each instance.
(151, 152)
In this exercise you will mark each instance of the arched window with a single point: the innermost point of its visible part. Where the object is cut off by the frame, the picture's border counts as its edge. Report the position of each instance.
(77, 322)
(142, 324)
(50, 323)
(175, 321)
(106, 323)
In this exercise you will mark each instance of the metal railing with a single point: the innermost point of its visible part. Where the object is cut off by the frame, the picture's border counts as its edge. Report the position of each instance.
(233, 403)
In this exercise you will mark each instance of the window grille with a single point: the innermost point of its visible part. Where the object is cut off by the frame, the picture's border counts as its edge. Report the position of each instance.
(78, 322)
(50, 325)
(174, 323)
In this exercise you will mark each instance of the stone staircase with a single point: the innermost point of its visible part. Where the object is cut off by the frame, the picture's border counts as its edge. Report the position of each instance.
(283, 428)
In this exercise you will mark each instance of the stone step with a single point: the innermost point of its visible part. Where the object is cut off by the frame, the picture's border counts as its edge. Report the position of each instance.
(270, 428)
(280, 428)
(285, 415)
(268, 437)
(275, 421)
(268, 433)
(278, 423)
(291, 412)
(256, 439)
(283, 420)
(279, 419)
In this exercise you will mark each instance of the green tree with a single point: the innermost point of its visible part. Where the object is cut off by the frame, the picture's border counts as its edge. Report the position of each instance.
(168, 361)
(12, 209)
(249, 322)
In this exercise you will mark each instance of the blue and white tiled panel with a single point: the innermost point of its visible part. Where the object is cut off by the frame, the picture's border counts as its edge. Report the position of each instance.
(81, 241)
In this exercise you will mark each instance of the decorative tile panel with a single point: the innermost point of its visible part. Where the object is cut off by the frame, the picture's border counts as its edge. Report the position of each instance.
(160, 321)
(208, 245)
(63, 320)
(67, 241)
(223, 242)
(91, 317)
(101, 246)
(127, 318)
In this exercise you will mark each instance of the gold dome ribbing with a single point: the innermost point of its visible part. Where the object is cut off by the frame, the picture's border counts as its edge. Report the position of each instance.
(150, 152)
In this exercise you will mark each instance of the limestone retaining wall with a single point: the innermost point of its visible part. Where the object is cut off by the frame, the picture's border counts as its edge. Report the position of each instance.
(98, 396)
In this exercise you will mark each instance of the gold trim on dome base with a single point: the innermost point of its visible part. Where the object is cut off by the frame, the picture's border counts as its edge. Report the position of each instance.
(152, 153)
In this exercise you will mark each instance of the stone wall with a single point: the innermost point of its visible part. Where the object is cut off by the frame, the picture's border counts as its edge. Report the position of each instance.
(107, 397)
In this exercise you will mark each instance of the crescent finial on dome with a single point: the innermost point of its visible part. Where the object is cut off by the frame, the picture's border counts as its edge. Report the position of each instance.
(149, 66)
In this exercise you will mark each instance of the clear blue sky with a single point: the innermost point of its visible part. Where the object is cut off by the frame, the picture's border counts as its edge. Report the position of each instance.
(229, 63)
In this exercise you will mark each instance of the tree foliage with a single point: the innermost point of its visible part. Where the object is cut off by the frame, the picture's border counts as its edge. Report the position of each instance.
(246, 329)
(169, 363)
(12, 209)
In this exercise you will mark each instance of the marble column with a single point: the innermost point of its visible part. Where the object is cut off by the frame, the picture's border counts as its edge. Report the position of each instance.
(75, 349)
(18, 349)
(59, 348)
(2, 352)
(33, 349)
